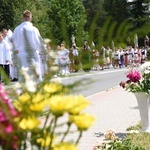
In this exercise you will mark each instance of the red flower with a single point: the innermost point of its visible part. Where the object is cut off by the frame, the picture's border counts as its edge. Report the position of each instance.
(134, 76)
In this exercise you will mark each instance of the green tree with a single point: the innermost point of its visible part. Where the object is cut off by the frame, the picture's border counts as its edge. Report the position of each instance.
(140, 18)
(11, 13)
(39, 13)
(6, 14)
(95, 18)
(116, 10)
(139, 12)
(66, 18)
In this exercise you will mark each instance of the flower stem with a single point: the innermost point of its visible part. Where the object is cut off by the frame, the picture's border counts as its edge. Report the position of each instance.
(67, 131)
(52, 132)
(80, 135)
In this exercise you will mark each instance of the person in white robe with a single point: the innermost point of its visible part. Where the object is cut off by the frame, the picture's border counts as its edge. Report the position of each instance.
(28, 44)
(7, 34)
(5, 57)
(64, 60)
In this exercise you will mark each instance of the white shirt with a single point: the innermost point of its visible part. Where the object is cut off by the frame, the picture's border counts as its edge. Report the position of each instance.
(4, 53)
(27, 39)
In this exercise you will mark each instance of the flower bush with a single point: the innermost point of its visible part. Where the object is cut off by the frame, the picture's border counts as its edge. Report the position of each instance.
(138, 80)
(32, 118)
(41, 115)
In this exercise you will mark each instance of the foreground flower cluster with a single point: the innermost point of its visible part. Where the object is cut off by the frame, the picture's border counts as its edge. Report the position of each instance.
(138, 80)
(41, 116)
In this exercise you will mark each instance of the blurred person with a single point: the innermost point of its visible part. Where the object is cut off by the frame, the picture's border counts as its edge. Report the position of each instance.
(136, 40)
(116, 56)
(130, 56)
(126, 53)
(64, 61)
(96, 60)
(28, 44)
(146, 41)
(5, 57)
(7, 34)
(86, 57)
(143, 55)
(121, 58)
(76, 61)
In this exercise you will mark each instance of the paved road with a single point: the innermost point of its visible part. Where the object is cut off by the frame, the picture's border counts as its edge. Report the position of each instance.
(114, 109)
(96, 81)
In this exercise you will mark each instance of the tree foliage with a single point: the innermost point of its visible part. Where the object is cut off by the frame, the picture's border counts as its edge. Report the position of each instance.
(139, 13)
(65, 18)
(100, 21)
(6, 14)
(95, 18)
(116, 10)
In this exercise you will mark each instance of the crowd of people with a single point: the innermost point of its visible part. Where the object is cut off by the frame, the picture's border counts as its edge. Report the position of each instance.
(88, 58)
(24, 47)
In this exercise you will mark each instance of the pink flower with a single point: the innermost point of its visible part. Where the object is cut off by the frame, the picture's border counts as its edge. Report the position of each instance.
(2, 117)
(8, 128)
(134, 76)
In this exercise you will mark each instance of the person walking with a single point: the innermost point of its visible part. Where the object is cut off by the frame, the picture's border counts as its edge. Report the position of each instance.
(86, 57)
(11, 70)
(76, 61)
(28, 45)
(5, 57)
(7, 40)
(64, 61)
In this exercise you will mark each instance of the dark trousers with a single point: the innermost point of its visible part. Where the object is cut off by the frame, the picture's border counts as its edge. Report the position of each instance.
(7, 70)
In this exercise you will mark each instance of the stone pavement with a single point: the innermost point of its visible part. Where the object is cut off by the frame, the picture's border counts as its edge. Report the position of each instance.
(114, 109)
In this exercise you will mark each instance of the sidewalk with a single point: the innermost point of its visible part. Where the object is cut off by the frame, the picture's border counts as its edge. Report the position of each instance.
(114, 109)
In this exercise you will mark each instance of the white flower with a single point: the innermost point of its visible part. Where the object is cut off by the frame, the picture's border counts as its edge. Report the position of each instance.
(24, 69)
(53, 54)
(145, 66)
(147, 71)
(54, 68)
(57, 80)
(30, 85)
(134, 131)
(35, 64)
(46, 41)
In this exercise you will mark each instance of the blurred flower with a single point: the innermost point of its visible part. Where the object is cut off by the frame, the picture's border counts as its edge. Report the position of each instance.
(110, 135)
(29, 123)
(52, 87)
(73, 104)
(65, 146)
(32, 117)
(82, 121)
(134, 76)
(138, 81)
(46, 41)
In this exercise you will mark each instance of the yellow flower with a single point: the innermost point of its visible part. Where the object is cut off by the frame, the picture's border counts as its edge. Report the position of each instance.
(37, 106)
(24, 97)
(29, 123)
(44, 142)
(82, 121)
(17, 105)
(78, 104)
(52, 87)
(37, 98)
(59, 104)
(65, 146)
